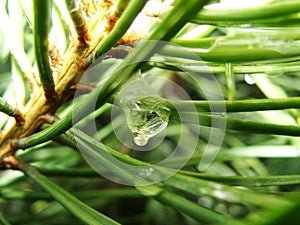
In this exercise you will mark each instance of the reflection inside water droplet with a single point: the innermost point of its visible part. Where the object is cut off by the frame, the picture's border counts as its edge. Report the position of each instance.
(146, 123)
(249, 79)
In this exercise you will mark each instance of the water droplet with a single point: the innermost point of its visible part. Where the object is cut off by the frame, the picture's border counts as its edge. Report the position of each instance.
(146, 172)
(258, 183)
(146, 113)
(147, 175)
(146, 121)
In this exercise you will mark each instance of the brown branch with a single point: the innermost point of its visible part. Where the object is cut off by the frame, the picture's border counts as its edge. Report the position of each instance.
(38, 106)
(79, 22)
(76, 59)
(19, 117)
(11, 162)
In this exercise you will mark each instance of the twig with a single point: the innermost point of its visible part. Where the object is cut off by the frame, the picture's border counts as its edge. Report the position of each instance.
(78, 21)
(10, 111)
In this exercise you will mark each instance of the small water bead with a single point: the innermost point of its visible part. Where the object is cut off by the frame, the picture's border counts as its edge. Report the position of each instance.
(146, 121)
(147, 114)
